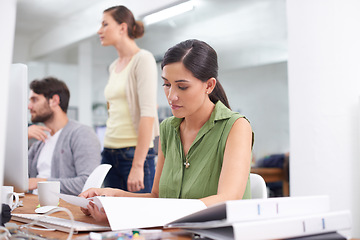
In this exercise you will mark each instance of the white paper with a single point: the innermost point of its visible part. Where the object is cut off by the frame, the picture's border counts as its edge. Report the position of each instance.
(75, 200)
(96, 178)
(128, 213)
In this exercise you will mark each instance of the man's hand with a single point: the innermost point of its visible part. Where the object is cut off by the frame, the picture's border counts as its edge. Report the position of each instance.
(38, 132)
(34, 181)
(135, 180)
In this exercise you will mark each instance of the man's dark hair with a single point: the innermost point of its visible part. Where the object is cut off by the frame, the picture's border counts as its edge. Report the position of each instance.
(51, 86)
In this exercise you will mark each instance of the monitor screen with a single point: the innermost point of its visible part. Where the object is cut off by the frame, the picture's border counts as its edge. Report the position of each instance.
(16, 141)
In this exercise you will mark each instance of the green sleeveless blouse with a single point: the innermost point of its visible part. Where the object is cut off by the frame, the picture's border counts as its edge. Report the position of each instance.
(205, 157)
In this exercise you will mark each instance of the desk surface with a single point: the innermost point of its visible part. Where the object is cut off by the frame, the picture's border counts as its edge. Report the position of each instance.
(30, 202)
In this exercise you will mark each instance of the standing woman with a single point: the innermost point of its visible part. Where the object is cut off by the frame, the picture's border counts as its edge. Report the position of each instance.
(131, 98)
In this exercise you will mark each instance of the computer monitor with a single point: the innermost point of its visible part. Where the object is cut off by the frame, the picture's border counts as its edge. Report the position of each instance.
(16, 141)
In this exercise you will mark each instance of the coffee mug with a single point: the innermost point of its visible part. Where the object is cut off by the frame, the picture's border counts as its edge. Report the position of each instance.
(48, 193)
(8, 195)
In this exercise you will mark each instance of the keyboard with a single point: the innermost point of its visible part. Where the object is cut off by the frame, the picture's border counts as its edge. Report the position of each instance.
(60, 224)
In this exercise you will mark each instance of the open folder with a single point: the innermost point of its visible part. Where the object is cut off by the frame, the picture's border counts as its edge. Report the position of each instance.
(129, 213)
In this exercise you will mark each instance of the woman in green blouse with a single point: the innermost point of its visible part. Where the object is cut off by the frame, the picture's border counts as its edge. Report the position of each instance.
(205, 148)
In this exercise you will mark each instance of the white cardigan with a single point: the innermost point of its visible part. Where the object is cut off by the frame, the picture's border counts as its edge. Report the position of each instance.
(141, 88)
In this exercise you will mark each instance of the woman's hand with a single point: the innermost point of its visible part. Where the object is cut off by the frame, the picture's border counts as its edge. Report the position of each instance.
(135, 180)
(98, 214)
(93, 192)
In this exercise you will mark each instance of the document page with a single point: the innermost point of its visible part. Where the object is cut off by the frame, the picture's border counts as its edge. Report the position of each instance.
(128, 213)
(74, 200)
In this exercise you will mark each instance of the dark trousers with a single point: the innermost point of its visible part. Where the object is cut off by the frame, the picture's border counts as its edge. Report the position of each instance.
(121, 161)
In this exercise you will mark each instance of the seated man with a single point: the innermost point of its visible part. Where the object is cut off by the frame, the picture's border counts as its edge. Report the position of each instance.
(67, 151)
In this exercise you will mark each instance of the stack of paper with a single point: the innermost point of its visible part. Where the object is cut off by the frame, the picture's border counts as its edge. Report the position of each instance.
(272, 218)
(125, 213)
(129, 213)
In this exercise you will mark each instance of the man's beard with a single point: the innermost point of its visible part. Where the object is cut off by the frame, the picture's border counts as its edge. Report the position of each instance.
(45, 116)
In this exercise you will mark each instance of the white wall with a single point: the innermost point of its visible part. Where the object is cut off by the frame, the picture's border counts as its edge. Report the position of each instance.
(84, 80)
(324, 90)
(65, 72)
(21, 48)
(261, 94)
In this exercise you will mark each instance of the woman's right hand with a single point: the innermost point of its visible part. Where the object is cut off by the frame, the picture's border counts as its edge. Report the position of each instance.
(93, 192)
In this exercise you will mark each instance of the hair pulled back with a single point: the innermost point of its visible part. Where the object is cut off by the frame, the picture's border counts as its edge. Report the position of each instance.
(122, 14)
(201, 60)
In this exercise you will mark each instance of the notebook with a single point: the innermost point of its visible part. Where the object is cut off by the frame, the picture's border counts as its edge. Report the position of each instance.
(60, 224)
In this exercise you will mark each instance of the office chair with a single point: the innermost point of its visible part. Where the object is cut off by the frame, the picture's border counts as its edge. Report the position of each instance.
(96, 178)
(258, 186)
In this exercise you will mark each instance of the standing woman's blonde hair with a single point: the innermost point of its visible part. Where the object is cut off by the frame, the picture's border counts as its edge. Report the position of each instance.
(122, 14)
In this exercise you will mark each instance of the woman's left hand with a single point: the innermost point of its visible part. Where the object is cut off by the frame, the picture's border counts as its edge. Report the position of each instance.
(98, 214)
(136, 179)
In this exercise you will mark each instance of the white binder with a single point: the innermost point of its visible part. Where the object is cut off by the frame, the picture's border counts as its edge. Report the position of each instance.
(228, 212)
(280, 228)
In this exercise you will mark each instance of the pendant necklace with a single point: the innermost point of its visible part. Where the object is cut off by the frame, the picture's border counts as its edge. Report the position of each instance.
(187, 164)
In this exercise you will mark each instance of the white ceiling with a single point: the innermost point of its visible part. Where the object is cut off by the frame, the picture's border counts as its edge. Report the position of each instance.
(244, 32)
(40, 15)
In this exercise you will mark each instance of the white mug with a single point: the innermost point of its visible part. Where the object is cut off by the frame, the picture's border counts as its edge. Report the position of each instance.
(48, 193)
(7, 196)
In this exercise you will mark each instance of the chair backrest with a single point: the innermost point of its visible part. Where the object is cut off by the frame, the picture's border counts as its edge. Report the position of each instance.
(96, 178)
(258, 186)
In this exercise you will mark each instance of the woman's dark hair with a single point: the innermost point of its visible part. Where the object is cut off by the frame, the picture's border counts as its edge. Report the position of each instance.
(51, 86)
(122, 14)
(201, 60)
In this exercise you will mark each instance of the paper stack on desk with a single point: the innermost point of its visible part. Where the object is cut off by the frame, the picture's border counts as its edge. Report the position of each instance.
(272, 218)
(128, 213)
